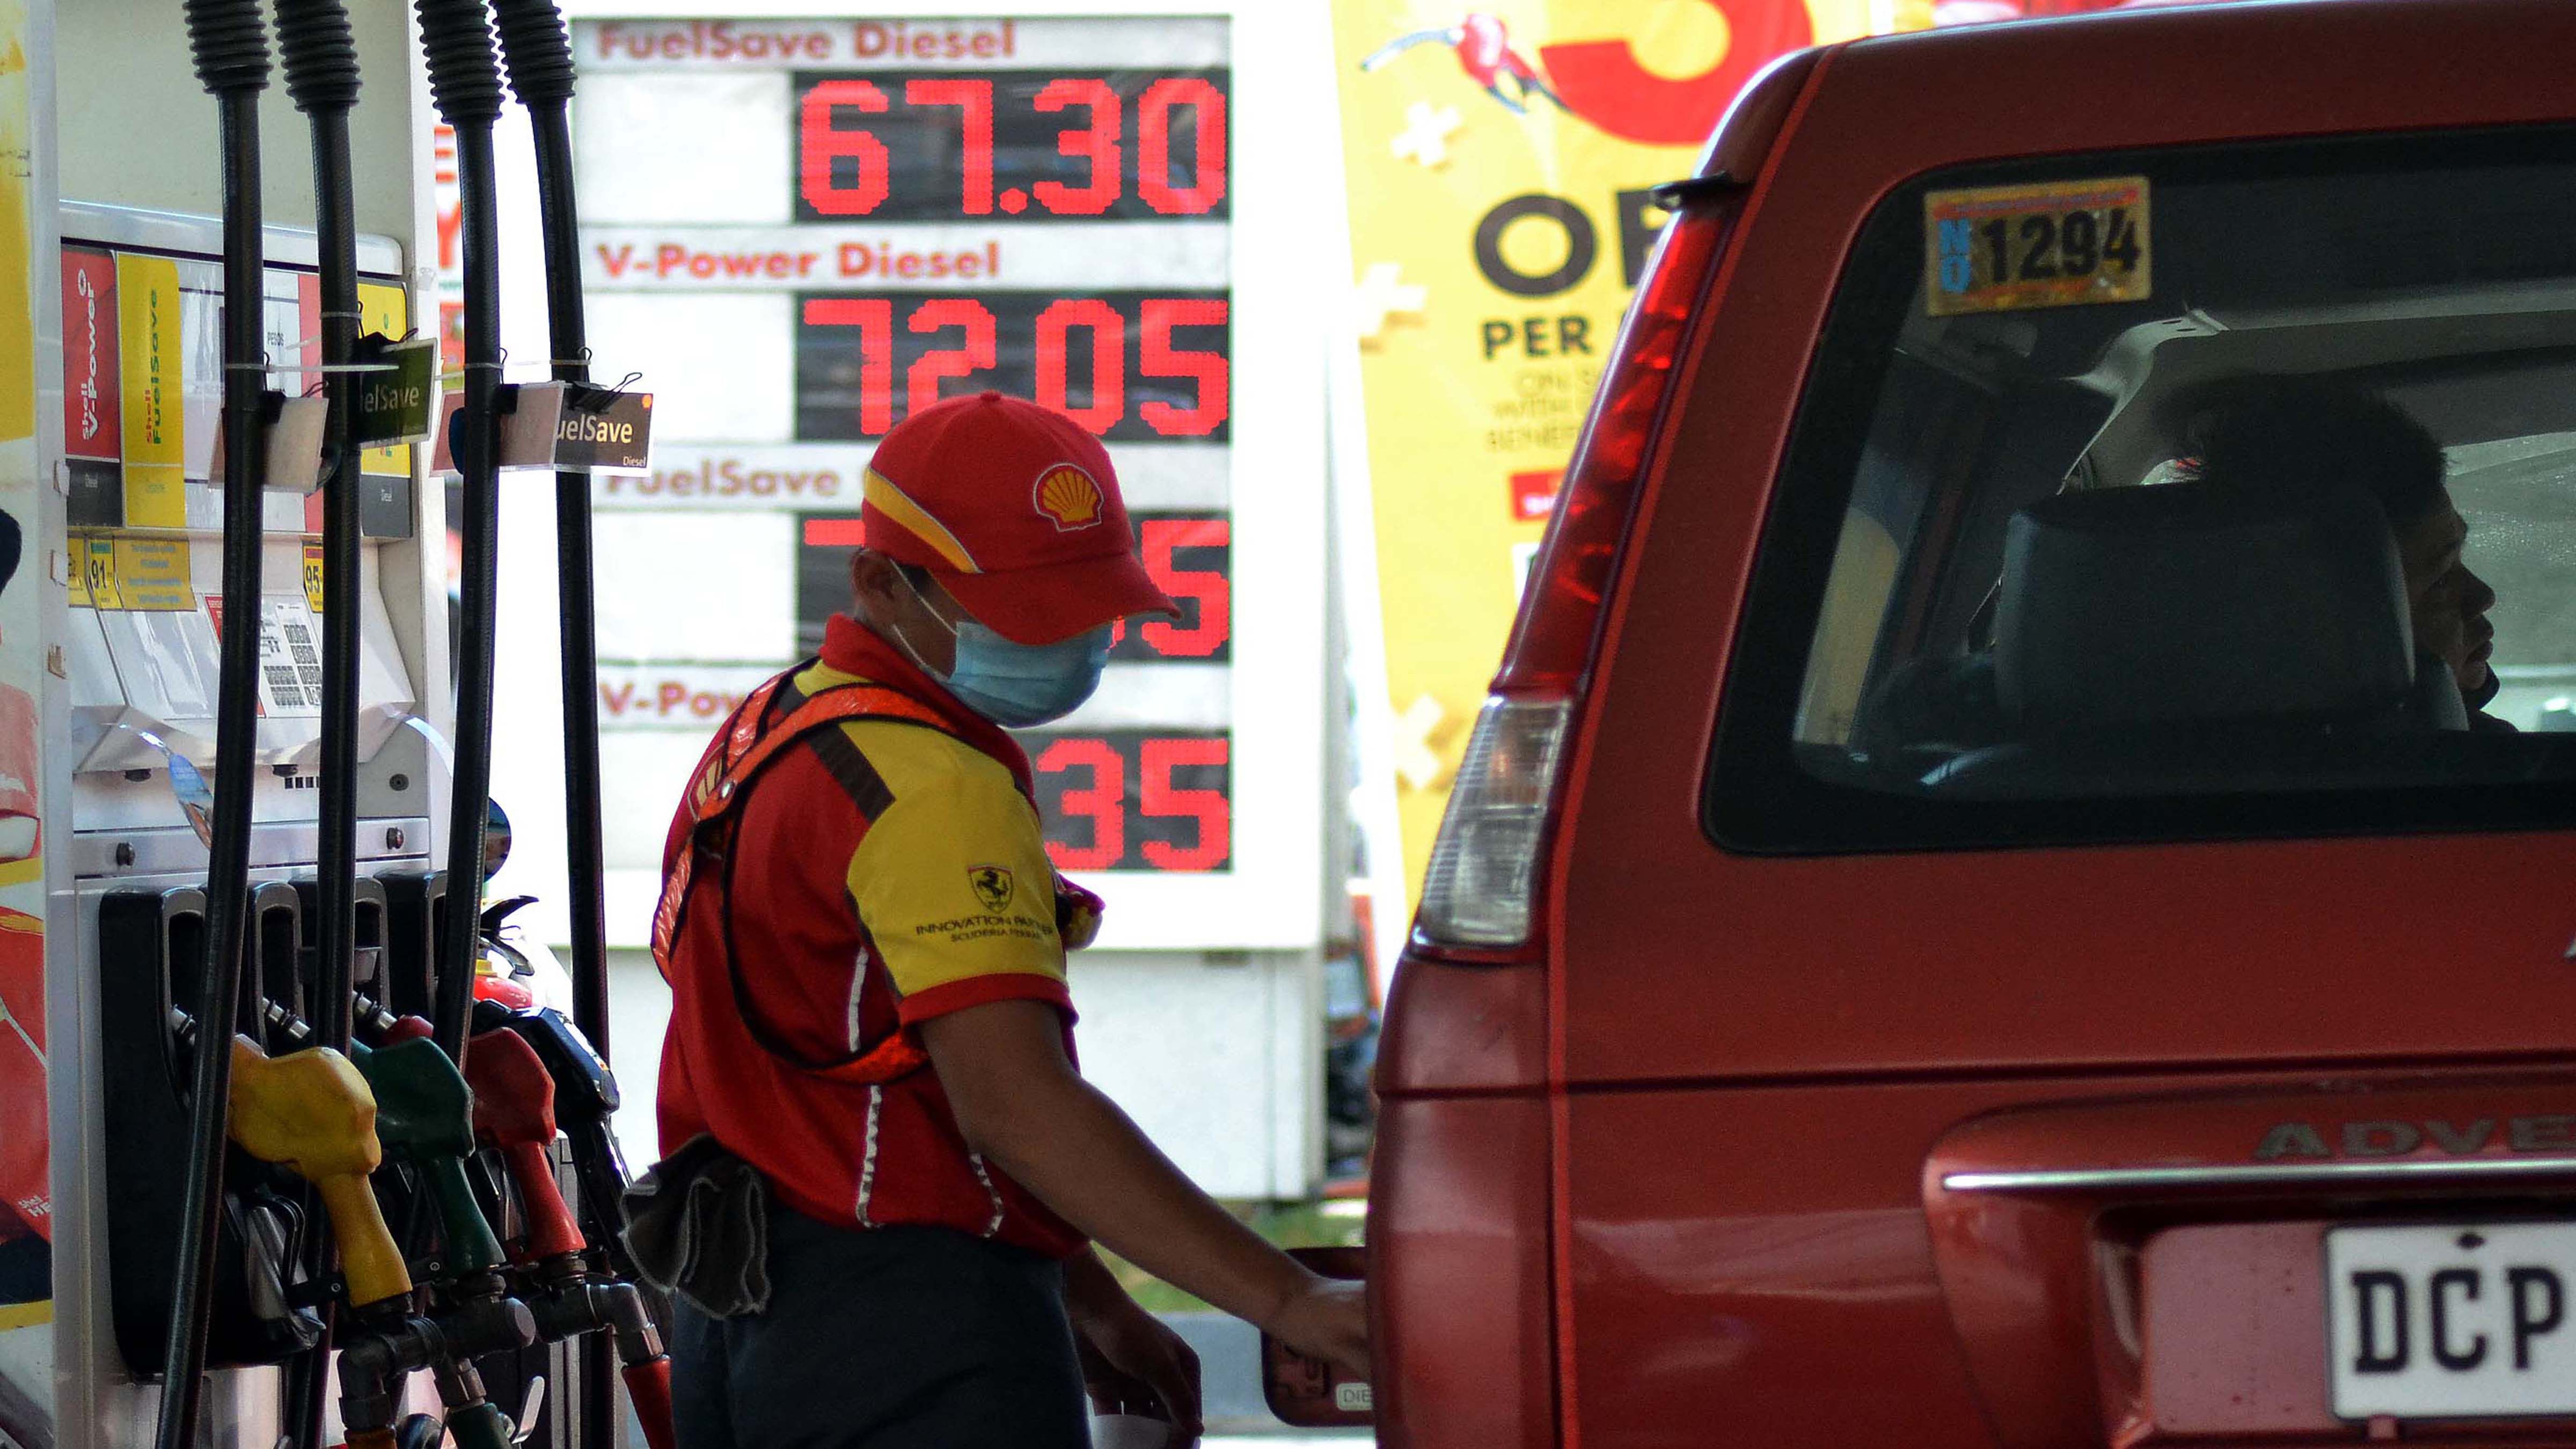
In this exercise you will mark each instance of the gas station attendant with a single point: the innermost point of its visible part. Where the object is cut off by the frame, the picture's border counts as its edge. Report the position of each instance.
(883, 1169)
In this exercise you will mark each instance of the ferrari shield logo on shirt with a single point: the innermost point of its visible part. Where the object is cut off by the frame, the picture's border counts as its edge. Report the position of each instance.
(1069, 497)
(992, 885)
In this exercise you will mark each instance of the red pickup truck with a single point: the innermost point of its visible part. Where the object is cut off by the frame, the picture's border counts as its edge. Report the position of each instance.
(2015, 885)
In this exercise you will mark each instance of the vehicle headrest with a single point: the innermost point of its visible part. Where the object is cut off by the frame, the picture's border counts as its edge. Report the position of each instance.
(2185, 603)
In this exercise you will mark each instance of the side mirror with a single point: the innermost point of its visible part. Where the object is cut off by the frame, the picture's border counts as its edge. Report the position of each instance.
(1309, 1393)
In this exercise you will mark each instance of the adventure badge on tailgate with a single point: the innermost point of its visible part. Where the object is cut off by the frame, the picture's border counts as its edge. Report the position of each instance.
(2060, 244)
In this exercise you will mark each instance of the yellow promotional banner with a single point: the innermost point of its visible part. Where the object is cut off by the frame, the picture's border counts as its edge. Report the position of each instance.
(17, 298)
(1501, 167)
(26, 1195)
(156, 483)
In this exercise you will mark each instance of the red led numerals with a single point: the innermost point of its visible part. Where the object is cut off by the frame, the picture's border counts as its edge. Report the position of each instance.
(820, 146)
(1154, 146)
(1212, 811)
(1102, 802)
(1126, 366)
(1095, 144)
(974, 102)
(1209, 589)
(943, 147)
(1181, 818)
(1106, 365)
(922, 379)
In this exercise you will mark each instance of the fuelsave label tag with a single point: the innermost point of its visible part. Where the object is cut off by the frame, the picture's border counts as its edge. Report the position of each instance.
(395, 405)
(602, 431)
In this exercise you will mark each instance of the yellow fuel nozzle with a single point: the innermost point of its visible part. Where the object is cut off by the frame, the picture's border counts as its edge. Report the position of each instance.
(313, 1114)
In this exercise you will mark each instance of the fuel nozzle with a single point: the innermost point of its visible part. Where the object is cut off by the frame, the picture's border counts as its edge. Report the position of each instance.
(514, 1113)
(425, 1117)
(313, 1113)
(515, 1098)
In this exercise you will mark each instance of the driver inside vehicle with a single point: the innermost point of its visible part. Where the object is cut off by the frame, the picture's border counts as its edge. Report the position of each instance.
(2290, 440)
(2297, 437)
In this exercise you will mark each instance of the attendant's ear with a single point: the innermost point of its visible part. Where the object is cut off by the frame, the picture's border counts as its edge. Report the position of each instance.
(876, 585)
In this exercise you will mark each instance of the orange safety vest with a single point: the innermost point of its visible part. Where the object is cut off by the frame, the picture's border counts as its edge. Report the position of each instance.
(752, 739)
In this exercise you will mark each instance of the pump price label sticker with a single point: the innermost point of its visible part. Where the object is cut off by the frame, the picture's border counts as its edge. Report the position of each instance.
(144, 575)
(151, 574)
(93, 577)
(313, 576)
(2013, 248)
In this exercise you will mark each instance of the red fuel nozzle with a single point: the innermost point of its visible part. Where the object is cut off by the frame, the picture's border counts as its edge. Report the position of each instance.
(514, 1111)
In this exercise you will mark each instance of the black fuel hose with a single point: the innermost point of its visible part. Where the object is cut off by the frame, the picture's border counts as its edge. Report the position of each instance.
(465, 85)
(228, 39)
(321, 61)
(538, 53)
(321, 56)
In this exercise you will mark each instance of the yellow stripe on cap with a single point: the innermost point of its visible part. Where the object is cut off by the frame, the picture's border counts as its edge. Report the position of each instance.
(896, 504)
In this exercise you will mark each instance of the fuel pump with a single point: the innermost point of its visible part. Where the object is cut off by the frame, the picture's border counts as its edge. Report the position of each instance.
(225, 939)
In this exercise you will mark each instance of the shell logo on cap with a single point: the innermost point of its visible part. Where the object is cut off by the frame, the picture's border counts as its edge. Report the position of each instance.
(1068, 497)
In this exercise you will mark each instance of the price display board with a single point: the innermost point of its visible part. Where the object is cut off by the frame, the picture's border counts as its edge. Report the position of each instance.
(804, 229)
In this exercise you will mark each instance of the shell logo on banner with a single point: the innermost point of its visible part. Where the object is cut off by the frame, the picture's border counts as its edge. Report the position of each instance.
(1501, 162)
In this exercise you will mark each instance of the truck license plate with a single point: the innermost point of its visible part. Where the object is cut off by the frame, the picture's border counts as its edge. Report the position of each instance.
(2452, 1322)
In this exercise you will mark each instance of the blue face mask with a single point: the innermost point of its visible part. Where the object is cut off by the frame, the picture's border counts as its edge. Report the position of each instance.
(1018, 686)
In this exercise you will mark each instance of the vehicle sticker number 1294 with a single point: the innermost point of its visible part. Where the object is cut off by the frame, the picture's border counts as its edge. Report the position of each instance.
(2059, 244)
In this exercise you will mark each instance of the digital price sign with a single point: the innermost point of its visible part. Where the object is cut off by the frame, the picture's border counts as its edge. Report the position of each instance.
(804, 230)
(1128, 366)
(1120, 145)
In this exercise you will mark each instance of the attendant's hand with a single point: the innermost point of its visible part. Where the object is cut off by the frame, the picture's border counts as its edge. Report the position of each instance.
(1326, 1318)
(1135, 1345)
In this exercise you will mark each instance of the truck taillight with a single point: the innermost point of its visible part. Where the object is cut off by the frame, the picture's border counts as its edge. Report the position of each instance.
(1480, 893)
(1484, 865)
(1559, 627)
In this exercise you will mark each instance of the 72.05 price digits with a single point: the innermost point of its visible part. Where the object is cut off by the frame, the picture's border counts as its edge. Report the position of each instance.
(1133, 800)
(1129, 366)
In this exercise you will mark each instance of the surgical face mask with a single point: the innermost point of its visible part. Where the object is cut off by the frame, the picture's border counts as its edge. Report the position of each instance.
(1015, 685)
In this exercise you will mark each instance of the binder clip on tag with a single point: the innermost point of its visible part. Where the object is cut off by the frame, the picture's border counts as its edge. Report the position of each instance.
(397, 390)
(294, 427)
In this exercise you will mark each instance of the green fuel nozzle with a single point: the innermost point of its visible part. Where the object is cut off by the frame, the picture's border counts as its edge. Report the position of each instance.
(425, 1117)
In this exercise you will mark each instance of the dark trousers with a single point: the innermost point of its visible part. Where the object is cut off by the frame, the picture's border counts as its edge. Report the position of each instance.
(884, 1338)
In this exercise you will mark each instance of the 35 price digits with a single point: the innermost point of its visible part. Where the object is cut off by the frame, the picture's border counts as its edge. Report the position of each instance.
(1126, 800)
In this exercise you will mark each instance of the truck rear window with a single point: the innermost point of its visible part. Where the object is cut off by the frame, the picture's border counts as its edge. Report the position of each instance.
(2178, 495)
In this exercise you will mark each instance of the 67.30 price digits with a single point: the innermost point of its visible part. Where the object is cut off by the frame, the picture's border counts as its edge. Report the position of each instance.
(950, 146)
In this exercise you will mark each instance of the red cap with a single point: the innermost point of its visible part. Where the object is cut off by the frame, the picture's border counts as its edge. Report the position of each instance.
(1014, 508)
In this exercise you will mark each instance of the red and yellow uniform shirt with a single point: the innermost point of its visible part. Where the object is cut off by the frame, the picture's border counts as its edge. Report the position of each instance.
(884, 872)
